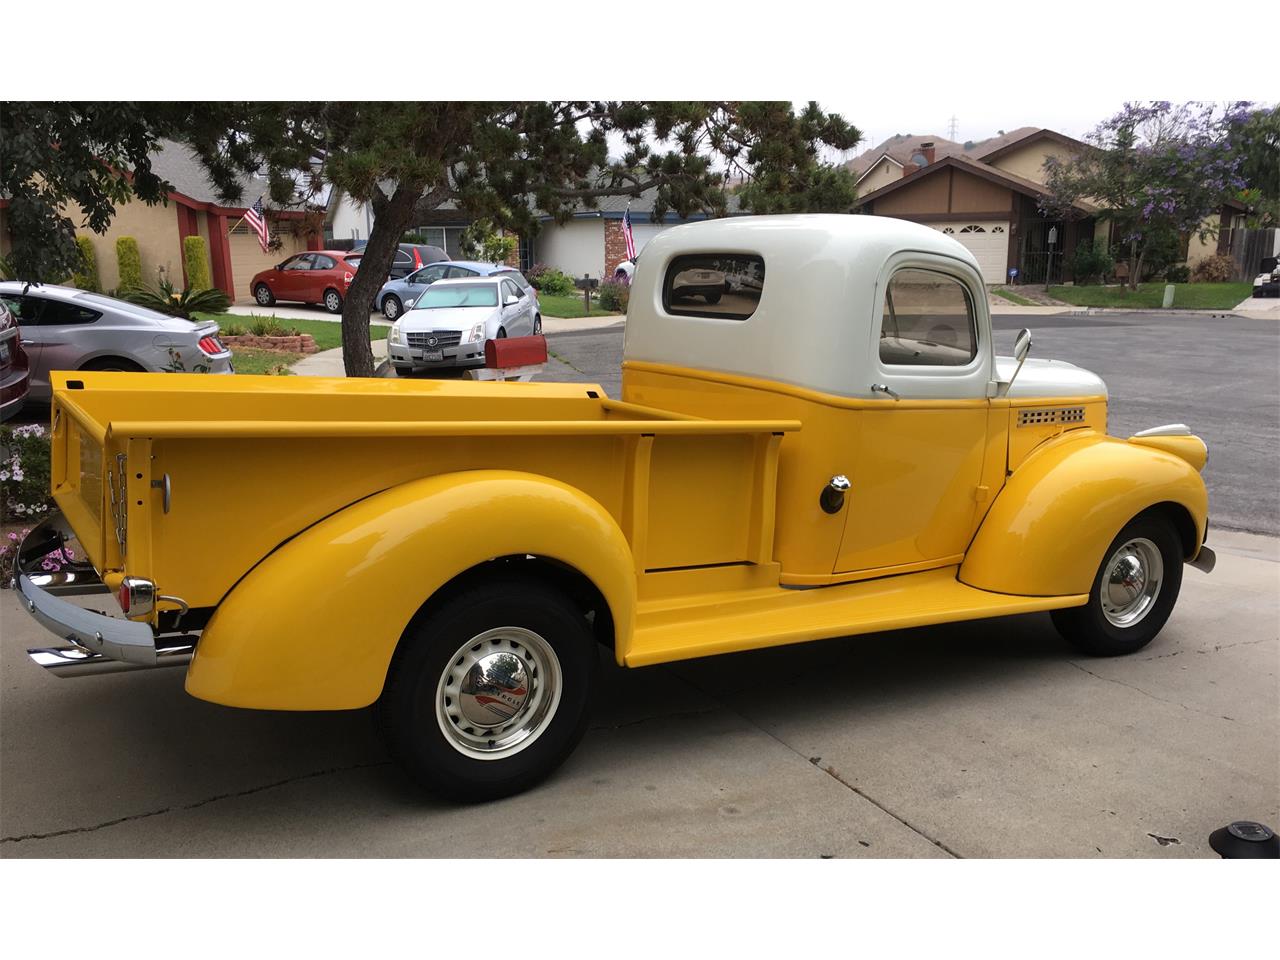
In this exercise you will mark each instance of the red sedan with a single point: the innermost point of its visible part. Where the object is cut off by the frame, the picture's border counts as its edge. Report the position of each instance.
(15, 374)
(318, 276)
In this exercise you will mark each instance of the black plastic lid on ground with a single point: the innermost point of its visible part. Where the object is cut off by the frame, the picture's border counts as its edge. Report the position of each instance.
(1245, 840)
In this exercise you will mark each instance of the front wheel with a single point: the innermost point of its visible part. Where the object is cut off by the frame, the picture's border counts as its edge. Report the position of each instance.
(1133, 593)
(391, 306)
(491, 692)
(333, 301)
(263, 295)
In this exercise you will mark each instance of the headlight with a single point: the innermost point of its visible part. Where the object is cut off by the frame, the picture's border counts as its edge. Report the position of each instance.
(395, 334)
(477, 333)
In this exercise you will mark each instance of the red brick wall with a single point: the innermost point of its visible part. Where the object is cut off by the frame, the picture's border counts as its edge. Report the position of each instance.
(615, 247)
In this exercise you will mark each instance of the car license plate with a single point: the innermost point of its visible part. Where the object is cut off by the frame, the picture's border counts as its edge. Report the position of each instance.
(432, 354)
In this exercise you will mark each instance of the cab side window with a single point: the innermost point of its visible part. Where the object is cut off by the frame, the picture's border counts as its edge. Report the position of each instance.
(301, 262)
(929, 320)
(324, 263)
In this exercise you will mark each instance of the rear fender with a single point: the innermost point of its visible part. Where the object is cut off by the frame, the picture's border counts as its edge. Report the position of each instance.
(315, 624)
(1046, 531)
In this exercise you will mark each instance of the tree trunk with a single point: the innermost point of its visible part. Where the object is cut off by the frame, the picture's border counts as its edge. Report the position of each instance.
(1137, 274)
(1135, 264)
(388, 226)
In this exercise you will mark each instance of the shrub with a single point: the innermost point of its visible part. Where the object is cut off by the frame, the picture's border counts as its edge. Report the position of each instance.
(614, 295)
(87, 277)
(231, 329)
(1217, 269)
(269, 327)
(24, 473)
(195, 255)
(129, 263)
(1179, 273)
(552, 282)
(411, 237)
(1091, 262)
(166, 300)
(481, 241)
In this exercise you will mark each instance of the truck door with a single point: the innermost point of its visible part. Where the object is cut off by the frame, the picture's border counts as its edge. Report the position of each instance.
(921, 432)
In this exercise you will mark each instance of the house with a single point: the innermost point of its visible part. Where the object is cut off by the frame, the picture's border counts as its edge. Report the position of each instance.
(987, 197)
(192, 208)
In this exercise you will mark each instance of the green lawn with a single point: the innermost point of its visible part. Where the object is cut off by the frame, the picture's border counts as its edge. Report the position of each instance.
(1186, 296)
(250, 360)
(570, 307)
(327, 334)
(1013, 297)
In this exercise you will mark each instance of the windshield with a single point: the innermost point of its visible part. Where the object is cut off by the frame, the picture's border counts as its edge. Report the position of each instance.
(458, 295)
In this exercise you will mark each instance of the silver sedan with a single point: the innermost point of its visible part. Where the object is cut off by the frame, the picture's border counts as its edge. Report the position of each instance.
(64, 328)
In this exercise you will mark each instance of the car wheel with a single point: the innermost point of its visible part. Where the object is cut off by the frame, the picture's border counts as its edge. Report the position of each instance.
(537, 324)
(391, 306)
(263, 295)
(333, 301)
(489, 693)
(502, 333)
(119, 364)
(1133, 593)
(402, 371)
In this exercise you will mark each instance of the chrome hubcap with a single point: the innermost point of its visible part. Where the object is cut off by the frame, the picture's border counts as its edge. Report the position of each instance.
(498, 693)
(1131, 582)
(332, 301)
(392, 309)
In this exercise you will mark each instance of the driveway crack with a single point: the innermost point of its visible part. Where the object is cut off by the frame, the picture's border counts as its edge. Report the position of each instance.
(1175, 703)
(178, 808)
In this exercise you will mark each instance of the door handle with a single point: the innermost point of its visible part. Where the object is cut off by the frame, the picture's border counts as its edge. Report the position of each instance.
(832, 496)
(885, 389)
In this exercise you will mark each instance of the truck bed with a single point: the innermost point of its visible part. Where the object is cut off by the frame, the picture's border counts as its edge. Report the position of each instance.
(245, 463)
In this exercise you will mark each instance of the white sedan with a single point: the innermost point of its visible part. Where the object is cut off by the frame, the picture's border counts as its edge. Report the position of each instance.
(452, 319)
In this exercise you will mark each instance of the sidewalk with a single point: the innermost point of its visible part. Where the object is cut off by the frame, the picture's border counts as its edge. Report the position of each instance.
(328, 363)
(298, 312)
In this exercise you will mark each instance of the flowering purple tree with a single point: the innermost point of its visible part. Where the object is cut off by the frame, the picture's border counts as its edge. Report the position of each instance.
(1156, 171)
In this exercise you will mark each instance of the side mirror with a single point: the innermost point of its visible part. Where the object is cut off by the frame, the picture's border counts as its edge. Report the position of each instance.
(1021, 349)
(510, 301)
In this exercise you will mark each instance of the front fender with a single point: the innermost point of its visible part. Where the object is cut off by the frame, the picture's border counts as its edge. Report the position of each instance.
(314, 625)
(1047, 529)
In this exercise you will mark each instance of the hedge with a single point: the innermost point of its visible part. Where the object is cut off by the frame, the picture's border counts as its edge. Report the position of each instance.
(129, 260)
(195, 253)
(86, 278)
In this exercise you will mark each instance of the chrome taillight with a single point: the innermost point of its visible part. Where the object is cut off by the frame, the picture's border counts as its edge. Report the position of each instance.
(211, 346)
(137, 596)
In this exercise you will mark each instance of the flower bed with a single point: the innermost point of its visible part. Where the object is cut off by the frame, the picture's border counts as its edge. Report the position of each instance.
(300, 343)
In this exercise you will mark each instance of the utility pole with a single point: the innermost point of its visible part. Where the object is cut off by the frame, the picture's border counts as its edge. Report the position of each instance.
(953, 127)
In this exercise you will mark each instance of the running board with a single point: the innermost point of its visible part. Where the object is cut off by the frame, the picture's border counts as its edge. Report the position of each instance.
(780, 616)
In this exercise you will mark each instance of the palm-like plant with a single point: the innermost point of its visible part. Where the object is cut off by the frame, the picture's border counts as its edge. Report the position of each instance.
(179, 304)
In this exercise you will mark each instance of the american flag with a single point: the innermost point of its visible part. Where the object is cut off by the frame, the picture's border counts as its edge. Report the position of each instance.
(257, 221)
(626, 233)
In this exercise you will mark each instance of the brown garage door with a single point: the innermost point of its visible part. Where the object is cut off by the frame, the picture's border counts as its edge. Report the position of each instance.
(248, 258)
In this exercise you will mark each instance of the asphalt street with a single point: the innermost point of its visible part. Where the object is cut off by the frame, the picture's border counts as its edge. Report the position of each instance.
(1219, 375)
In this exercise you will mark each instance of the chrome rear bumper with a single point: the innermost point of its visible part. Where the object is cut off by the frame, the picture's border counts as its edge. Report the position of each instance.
(99, 643)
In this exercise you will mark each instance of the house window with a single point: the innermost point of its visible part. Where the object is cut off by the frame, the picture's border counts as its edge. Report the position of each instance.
(972, 228)
(928, 321)
(997, 229)
(948, 229)
(448, 238)
(723, 286)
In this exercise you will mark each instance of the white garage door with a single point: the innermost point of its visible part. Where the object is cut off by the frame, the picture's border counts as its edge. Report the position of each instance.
(988, 240)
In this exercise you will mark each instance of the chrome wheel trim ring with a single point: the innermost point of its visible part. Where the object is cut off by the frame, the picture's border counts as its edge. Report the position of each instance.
(481, 707)
(1131, 582)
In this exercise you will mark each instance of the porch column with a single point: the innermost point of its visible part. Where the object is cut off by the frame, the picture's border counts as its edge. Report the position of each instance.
(220, 254)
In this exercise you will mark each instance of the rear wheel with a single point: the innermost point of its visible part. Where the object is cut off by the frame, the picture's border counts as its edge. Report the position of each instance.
(1133, 593)
(491, 692)
(391, 306)
(263, 295)
(114, 363)
(333, 301)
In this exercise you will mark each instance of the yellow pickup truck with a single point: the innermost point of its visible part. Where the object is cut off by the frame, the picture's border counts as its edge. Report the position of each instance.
(815, 439)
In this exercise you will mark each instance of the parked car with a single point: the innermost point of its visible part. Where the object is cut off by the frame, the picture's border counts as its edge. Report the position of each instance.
(318, 276)
(1267, 283)
(65, 328)
(452, 318)
(397, 296)
(409, 257)
(787, 472)
(698, 282)
(15, 373)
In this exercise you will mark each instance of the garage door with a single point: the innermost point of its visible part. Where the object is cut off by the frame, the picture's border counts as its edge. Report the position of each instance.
(988, 240)
(248, 258)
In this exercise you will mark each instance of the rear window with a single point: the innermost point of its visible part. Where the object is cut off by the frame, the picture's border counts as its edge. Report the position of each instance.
(726, 286)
